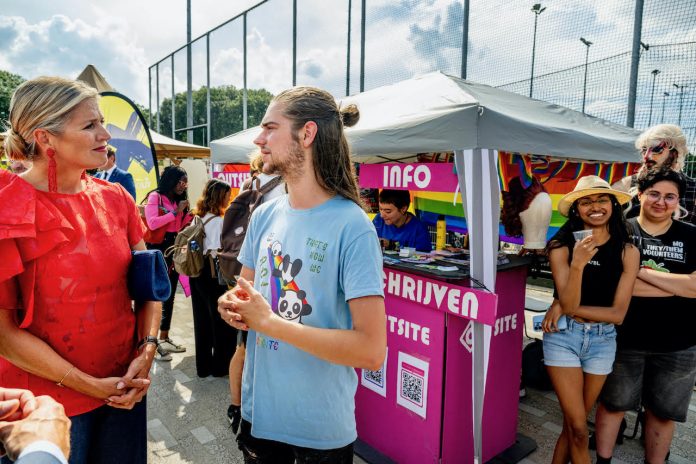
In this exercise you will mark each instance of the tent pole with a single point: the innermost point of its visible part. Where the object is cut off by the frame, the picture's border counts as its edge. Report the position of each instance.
(477, 169)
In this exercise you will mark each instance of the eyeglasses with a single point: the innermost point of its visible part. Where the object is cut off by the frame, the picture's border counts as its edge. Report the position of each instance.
(586, 202)
(670, 198)
(657, 149)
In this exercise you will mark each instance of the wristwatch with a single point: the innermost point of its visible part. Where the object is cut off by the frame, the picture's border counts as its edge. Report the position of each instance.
(146, 340)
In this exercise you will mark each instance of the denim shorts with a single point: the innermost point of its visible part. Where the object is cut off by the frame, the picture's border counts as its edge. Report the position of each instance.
(591, 346)
(662, 381)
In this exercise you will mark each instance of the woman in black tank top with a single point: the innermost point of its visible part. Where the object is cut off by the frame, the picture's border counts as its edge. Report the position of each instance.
(594, 267)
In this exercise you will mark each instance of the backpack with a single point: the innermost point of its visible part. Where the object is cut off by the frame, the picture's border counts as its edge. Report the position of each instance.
(234, 226)
(187, 250)
(153, 236)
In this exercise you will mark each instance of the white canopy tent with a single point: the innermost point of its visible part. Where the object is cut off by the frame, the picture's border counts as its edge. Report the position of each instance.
(437, 113)
(166, 147)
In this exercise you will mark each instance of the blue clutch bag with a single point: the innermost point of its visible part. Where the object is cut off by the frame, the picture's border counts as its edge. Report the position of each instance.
(148, 279)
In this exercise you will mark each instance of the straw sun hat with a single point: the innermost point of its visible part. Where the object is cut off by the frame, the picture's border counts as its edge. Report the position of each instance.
(590, 185)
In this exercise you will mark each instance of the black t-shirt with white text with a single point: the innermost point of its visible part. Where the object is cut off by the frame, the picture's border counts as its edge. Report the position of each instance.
(662, 324)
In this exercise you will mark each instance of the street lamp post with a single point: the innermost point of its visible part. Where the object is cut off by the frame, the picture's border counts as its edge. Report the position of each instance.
(664, 100)
(681, 100)
(537, 10)
(654, 73)
(584, 85)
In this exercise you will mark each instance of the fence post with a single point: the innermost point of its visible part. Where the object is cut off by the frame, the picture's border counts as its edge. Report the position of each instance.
(635, 61)
(465, 37)
(362, 47)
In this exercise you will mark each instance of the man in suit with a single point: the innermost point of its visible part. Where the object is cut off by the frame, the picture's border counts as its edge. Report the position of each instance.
(113, 173)
(33, 430)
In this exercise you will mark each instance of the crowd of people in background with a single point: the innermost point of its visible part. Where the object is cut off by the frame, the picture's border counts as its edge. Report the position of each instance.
(70, 330)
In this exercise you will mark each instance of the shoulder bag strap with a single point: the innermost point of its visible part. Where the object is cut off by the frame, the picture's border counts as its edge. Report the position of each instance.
(270, 185)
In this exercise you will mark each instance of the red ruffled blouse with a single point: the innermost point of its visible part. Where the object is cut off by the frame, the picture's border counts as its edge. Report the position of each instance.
(64, 263)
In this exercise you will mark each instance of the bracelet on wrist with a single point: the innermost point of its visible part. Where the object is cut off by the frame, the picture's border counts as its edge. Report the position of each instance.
(60, 382)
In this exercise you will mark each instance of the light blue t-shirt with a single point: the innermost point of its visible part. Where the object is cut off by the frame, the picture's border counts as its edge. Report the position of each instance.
(308, 264)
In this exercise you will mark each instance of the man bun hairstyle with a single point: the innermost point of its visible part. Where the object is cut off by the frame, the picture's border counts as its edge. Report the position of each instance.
(350, 115)
(41, 103)
(333, 168)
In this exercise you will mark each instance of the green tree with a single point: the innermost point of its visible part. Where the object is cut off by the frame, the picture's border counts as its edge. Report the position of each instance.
(8, 83)
(226, 111)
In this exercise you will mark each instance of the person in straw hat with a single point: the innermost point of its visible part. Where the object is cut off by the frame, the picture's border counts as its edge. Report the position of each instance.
(594, 266)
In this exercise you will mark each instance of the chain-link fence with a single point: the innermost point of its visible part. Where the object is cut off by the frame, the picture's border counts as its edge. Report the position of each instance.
(279, 43)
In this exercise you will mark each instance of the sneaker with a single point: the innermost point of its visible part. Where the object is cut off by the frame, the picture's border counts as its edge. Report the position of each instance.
(234, 417)
(169, 346)
(162, 355)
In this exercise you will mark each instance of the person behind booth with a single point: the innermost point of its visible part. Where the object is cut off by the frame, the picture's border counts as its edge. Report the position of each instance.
(594, 267)
(394, 223)
(656, 347)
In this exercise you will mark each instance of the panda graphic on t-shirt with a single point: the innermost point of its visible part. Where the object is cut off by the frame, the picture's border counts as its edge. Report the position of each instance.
(288, 300)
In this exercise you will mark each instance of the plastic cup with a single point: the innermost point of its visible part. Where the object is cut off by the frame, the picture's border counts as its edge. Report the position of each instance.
(581, 234)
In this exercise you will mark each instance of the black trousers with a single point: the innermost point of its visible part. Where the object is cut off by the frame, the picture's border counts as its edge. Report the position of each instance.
(167, 306)
(215, 339)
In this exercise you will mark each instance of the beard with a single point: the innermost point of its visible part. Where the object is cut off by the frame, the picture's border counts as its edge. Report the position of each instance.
(289, 166)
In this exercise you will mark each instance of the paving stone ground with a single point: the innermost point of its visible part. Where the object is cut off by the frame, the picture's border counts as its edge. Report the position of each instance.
(187, 421)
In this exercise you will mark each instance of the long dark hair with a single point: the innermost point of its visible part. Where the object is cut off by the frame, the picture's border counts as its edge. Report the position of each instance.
(168, 180)
(330, 151)
(618, 229)
(212, 200)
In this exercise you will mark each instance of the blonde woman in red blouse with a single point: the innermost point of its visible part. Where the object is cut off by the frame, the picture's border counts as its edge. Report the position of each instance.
(67, 322)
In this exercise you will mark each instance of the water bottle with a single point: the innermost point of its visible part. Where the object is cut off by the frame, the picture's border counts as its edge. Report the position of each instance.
(441, 235)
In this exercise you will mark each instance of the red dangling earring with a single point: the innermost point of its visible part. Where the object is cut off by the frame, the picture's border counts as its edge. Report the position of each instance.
(52, 172)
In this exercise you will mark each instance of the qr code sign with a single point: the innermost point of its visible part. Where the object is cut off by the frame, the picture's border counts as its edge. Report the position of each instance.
(412, 387)
(376, 377)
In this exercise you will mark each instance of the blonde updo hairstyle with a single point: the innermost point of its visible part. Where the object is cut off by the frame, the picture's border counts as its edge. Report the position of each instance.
(41, 103)
(669, 133)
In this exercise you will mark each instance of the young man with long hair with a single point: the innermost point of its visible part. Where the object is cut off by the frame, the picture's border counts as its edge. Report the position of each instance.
(316, 308)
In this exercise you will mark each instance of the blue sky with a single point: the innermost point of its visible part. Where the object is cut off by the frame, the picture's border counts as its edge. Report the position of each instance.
(122, 39)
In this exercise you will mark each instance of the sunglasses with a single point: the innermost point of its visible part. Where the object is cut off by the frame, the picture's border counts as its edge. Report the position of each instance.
(657, 149)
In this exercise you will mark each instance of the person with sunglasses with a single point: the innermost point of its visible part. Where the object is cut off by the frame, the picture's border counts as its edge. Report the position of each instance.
(661, 146)
(656, 345)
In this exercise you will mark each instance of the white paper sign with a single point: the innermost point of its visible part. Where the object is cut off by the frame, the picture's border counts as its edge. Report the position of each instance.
(376, 380)
(412, 383)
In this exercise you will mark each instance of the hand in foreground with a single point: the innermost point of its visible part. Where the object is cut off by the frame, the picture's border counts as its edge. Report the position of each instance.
(47, 422)
(550, 323)
(250, 305)
(227, 309)
(136, 381)
(15, 403)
